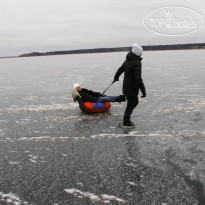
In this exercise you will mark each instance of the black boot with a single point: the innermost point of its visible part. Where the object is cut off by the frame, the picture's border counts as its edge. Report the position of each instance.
(120, 98)
(127, 123)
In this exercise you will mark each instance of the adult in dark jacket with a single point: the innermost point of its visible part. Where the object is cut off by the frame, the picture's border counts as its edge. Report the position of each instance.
(82, 95)
(132, 82)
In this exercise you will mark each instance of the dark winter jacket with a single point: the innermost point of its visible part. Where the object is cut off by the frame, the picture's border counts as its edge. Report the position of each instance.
(132, 75)
(89, 95)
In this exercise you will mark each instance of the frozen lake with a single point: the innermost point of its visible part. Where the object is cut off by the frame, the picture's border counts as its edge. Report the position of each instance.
(52, 153)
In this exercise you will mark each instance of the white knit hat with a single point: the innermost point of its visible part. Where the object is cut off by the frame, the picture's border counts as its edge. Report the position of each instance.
(75, 86)
(137, 49)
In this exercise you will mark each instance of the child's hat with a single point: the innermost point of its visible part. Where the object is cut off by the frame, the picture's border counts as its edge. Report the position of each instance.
(75, 86)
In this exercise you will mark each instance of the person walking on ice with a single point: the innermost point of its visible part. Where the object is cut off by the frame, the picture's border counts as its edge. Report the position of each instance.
(132, 82)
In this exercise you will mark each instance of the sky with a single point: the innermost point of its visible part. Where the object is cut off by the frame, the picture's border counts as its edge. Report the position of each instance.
(53, 25)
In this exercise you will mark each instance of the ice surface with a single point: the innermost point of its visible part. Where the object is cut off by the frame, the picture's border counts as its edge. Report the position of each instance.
(48, 145)
(96, 198)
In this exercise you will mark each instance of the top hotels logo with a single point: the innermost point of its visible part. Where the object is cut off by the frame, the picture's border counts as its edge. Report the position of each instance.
(173, 20)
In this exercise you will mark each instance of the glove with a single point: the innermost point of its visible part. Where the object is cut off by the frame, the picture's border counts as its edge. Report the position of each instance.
(144, 95)
(115, 79)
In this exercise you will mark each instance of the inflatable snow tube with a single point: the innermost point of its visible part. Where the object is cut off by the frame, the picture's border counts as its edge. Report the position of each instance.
(97, 107)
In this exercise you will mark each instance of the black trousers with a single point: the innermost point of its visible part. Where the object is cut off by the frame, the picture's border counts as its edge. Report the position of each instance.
(132, 102)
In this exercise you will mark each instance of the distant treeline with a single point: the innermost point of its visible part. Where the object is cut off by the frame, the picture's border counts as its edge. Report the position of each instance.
(119, 49)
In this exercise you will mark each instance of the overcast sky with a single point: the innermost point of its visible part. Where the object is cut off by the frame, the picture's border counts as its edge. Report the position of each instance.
(51, 25)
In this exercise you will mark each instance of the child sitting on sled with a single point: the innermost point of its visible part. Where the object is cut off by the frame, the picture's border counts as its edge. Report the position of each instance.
(82, 95)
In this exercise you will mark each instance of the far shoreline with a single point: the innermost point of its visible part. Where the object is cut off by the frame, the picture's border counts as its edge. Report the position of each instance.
(120, 49)
(193, 46)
